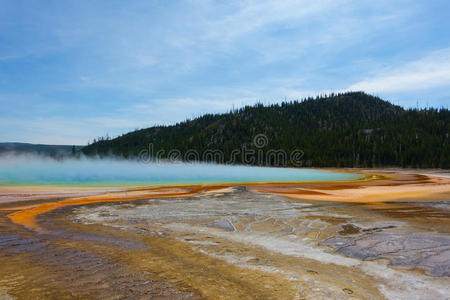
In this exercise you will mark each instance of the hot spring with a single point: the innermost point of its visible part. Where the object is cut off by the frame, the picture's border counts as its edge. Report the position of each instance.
(32, 170)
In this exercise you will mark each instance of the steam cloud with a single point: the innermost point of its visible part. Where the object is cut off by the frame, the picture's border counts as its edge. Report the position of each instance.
(32, 169)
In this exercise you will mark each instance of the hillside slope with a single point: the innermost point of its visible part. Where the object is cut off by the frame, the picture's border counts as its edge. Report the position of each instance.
(346, 130)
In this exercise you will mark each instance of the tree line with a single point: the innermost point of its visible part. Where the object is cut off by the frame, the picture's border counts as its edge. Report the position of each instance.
(350, 129)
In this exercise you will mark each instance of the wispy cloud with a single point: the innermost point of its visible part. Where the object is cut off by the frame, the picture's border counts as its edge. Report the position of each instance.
(428, 72)
(70, 72)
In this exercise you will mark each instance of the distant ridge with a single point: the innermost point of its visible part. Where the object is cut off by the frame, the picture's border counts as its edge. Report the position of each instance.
(352, 129)
(41, 149)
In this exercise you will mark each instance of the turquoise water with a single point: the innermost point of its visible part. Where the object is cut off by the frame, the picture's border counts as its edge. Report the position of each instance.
(108, 172)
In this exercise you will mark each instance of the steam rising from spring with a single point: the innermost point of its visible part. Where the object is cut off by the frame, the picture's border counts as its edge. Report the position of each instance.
(37, 170)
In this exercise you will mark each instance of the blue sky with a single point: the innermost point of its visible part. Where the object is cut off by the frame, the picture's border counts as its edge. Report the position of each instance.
(74, 70)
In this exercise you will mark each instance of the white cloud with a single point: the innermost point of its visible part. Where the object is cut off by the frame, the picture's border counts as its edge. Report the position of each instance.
(250, 16)
(176, 61)
(431, 71)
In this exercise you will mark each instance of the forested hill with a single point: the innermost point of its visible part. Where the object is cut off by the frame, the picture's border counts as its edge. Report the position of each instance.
(346, 130)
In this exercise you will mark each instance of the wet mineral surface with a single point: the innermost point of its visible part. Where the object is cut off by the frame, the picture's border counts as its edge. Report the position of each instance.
(226, 243)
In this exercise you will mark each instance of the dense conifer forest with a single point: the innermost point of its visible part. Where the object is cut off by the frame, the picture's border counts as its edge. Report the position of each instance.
(352, 129)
